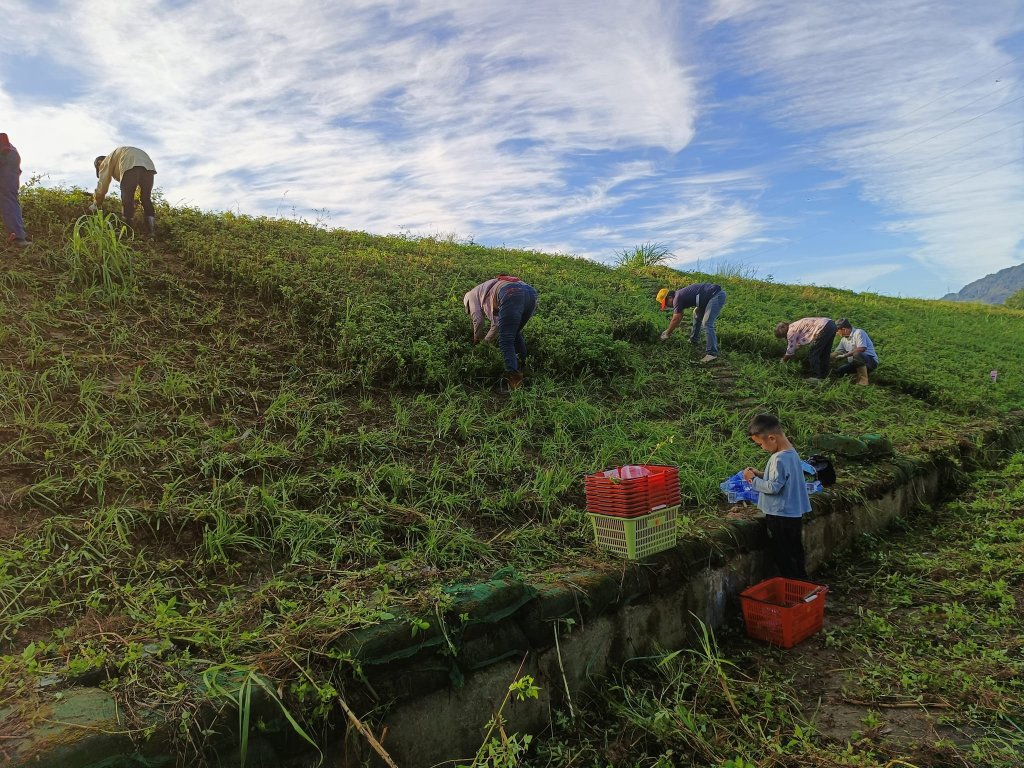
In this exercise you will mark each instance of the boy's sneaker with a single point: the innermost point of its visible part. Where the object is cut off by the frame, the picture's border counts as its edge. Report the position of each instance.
(18, 242)
(709, 358)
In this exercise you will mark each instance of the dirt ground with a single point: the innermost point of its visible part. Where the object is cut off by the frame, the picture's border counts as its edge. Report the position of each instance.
(820, 676)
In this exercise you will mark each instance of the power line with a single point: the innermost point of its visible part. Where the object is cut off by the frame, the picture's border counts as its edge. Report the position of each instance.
(953, 128)
(976, 175)
(899, 152)
(960, 88)
(947, 114)
(772, 249)
(982, 138)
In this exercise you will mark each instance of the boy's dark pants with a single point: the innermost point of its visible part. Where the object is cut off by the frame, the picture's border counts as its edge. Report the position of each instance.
(136, 178)
(786, 544)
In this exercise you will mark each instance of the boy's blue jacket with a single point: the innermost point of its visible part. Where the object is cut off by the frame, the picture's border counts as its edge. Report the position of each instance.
(782, 491)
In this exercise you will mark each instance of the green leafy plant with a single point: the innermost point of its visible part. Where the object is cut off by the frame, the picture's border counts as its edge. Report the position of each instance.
(505, 750)
(98, 254)
(1015, 301)
(237, 685)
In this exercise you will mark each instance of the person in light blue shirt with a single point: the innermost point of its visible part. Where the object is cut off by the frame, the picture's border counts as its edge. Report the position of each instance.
(782, 495)
(856, 346)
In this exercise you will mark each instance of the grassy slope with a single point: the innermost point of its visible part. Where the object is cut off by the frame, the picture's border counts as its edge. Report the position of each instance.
(276, 433)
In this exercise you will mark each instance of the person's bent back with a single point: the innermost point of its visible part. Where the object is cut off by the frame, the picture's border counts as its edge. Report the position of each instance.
(132, 169)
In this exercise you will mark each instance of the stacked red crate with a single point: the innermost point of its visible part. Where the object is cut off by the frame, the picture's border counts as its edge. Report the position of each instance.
(632, 490)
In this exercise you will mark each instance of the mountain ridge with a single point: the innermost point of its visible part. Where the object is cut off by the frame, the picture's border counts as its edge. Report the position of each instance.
(994, 288)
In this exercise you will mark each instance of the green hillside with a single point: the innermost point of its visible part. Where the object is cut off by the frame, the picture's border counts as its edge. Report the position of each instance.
(230, 446)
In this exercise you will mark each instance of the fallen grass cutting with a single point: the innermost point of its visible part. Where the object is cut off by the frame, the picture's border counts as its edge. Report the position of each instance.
(921, 664)
(225, 449)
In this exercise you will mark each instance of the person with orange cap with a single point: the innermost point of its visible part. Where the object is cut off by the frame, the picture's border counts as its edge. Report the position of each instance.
(707, 300)
(133, 169)
(10, 182)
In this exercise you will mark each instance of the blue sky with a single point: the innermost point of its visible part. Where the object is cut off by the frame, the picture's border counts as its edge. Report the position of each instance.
(876, 145)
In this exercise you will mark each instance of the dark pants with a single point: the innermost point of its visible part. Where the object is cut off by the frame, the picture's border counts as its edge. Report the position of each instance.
(516, 303)
(820, 353)
(860, 360)
(786, 544)
(136, 178)
(10, 208)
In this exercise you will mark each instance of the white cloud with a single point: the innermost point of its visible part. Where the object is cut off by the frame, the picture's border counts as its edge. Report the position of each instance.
(570, 123)
(391, 115)
(894, 96)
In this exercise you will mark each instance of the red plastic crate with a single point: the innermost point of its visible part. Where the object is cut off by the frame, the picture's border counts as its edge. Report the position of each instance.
(782, 611)
(632, 490)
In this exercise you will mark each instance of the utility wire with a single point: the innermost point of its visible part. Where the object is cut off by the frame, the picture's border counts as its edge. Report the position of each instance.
(976, 175)
(982, 76)
(953, 128)
(947, 114)
(953, 151)
(774, 248)
(960, 88)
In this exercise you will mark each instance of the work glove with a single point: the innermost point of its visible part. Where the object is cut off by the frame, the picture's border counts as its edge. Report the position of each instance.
(92, 207)
(664, 335)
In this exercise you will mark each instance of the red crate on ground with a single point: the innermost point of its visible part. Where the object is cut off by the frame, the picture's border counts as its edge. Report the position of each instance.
(782, 611)
(632, 490)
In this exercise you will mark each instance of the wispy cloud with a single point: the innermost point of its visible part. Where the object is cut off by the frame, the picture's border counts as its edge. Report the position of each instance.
(591, 127)
(451, 116)
(915, 101)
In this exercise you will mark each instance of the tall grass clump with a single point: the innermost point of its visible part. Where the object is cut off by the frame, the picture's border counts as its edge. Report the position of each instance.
(98, 254)
(643, 255)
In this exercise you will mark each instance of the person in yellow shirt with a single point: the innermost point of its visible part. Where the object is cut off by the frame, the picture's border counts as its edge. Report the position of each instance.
(132, 169)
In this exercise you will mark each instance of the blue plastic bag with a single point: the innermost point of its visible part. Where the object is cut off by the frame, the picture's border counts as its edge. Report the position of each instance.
(736, 489)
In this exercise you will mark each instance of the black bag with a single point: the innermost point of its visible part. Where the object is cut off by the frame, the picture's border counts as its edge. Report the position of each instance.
(823, 468)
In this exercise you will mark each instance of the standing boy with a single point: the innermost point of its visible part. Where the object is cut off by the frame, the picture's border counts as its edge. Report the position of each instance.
(782, 495)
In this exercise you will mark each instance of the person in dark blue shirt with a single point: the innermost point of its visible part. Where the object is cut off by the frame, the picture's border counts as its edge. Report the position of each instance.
(707, 300)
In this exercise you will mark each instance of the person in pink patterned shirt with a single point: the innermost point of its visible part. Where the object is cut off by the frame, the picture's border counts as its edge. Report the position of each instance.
(819, 332)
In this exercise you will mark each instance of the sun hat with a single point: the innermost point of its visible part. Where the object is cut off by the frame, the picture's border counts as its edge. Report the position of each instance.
(662, 295)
